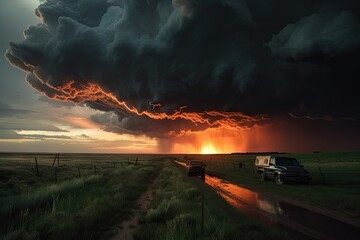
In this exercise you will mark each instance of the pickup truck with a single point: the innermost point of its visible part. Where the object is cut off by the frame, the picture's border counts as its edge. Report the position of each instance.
(196, 168)
(281, 169)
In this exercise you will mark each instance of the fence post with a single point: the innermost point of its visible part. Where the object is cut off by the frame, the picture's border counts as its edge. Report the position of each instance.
(322, 175)
(114, 164)
(54, 161)
(58, 158)
(95, 169)
(79, 172)
(136, 162)
(37, 167)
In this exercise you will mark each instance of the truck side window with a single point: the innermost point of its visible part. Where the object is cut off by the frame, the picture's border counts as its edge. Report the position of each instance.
(272, 160)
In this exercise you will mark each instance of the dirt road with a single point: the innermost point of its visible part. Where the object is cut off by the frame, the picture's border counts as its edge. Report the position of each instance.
(128, 227)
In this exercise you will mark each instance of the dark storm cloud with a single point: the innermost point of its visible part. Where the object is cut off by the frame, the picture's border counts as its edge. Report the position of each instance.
(323, 36)
(255, 57)
(123, 122)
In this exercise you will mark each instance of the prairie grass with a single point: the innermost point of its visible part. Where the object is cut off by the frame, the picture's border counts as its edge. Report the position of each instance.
(86, 207)
(176, 213)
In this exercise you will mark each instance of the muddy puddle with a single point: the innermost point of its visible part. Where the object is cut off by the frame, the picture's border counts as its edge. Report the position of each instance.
(299, 222)
(296, 220)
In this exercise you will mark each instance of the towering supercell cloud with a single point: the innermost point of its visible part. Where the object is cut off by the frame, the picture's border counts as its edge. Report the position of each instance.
(321, 35)
(165, 68)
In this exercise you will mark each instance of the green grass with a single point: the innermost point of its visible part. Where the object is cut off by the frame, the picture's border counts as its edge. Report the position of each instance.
(90, 207)
(336, 187)
(93, 205)
(176, 213)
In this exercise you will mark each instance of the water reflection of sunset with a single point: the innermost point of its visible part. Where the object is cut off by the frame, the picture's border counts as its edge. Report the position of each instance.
(231, 189)
(240, 197)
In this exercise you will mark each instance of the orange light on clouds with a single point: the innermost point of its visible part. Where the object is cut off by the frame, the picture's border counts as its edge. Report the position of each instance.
(224, 141)
(211, 141)
(80, 122)
(225, 131)
(92, 92)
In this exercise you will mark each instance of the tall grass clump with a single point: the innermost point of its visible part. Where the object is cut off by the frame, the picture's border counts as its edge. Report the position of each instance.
(43, 195)
(90, 207)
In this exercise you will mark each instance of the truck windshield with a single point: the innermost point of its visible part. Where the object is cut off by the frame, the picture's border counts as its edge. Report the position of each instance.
(287, 162)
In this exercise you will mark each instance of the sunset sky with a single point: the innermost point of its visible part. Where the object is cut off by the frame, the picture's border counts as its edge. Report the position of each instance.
(181, 76)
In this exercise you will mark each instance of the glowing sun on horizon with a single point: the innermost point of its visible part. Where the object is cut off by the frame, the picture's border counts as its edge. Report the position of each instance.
(208, 148)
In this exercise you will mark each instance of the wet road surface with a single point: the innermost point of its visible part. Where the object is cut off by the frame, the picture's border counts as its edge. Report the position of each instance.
(297, 221)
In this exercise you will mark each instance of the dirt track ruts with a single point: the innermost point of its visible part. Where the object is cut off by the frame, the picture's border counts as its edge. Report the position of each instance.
(128, 227)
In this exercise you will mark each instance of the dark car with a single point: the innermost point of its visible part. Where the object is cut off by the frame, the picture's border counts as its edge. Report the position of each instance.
(196, 168)
(281, 169)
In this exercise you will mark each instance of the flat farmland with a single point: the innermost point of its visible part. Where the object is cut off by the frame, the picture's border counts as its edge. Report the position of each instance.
(102, 196)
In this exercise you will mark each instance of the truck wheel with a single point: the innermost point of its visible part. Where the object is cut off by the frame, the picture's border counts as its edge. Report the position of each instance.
(262, 177)
(279, 180)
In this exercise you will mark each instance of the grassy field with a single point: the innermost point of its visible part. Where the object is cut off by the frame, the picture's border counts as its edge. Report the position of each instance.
(176, 213)
(87, 196)
(335, 178)
(70, 206)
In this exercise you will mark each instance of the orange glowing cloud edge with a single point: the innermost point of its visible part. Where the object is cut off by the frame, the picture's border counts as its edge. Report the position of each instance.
(93, 92)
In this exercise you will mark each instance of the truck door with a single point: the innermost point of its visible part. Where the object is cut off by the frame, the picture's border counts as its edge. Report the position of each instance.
(270, 170)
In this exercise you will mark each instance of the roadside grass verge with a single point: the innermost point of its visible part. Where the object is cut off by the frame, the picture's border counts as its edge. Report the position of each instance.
(82, 208)
(177, 209)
